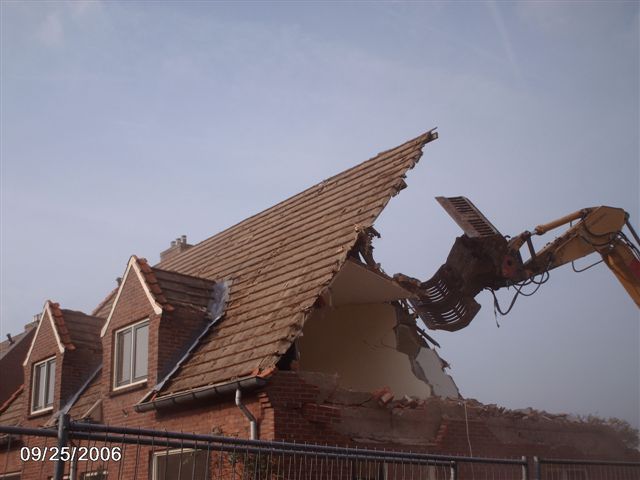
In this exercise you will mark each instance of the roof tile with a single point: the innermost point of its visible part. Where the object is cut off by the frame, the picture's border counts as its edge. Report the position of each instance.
(279, 261)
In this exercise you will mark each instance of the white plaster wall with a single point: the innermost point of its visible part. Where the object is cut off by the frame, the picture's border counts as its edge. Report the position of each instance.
(358, 343)
(442, 384)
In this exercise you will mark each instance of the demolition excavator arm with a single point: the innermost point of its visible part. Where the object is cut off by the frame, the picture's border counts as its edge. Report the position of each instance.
(483, 258)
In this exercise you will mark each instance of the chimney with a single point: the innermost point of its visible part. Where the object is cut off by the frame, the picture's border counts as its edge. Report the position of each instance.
(177, 246)
(34, 322)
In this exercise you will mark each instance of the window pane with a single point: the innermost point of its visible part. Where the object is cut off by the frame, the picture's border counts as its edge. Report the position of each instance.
(180, 466)
(38, 387)
(142, 347)
(51, 381)
(123, 357)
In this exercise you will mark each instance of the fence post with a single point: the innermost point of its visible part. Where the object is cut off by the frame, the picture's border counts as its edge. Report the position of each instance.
(525, 468)
(537, 469)
(453, 470)
(63, 437)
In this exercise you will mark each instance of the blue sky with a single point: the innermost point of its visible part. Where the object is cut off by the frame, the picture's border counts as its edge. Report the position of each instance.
(125, 125)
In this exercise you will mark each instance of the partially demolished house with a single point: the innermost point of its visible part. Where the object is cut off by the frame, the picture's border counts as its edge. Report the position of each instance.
(289, 308)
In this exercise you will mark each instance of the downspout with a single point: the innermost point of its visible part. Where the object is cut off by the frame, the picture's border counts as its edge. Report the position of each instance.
(253, 423)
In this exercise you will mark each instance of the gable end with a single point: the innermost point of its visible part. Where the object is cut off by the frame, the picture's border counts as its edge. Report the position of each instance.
(46, 312)
(133, 265)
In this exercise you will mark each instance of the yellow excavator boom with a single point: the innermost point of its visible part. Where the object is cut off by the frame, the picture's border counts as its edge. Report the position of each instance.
(599, 230)
(483, 258)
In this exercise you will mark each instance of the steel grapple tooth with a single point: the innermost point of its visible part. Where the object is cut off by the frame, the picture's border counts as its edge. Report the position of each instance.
(441, 303)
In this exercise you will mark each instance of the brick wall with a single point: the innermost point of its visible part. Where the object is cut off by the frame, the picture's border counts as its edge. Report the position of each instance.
(291, 407)
(44, 346)
(302, 413)
(177, 331)
(133, 306)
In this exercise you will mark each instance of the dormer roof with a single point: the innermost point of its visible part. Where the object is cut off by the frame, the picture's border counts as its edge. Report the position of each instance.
(165, 290)
(71, 329)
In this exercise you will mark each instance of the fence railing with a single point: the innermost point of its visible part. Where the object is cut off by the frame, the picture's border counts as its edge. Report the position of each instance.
(564, 469)
(83, 451)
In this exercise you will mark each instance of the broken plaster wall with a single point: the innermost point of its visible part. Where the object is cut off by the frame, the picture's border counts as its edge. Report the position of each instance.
(371, 346)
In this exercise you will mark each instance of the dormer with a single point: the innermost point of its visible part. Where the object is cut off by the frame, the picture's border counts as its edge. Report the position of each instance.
(155, 317)
(64, 352)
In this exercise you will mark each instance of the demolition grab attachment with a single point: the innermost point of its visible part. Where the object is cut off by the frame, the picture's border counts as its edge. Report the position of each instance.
(483, 258)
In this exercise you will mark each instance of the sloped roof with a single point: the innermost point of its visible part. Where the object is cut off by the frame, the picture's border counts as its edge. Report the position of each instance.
(280, 261)
(83, 329)
(72, 329)
(87, 398)
(7, 346)
(165, 290)
(11, 410)
(171, 289)
(184, 290)
(104, 307)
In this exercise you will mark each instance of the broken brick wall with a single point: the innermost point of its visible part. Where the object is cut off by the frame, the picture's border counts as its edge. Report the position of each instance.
(311, 407)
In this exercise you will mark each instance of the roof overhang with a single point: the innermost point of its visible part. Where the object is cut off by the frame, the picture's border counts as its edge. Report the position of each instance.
(357, 283)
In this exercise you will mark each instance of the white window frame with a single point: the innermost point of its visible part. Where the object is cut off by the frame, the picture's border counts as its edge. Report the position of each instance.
(47, 382)
(133, 328)
(167, 453)
(94, 473)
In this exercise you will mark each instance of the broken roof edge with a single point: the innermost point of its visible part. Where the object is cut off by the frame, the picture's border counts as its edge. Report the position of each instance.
(201, 393)
(424, 138)
(427, 137)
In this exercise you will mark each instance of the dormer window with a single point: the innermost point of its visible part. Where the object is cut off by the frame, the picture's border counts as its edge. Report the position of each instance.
(131, 354)
(43, 381)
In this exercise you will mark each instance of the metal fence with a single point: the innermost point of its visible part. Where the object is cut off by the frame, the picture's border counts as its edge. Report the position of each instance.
(562, 469)
(82, 451)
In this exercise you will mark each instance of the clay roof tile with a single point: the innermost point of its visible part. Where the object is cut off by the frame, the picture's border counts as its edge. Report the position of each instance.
(279, 262)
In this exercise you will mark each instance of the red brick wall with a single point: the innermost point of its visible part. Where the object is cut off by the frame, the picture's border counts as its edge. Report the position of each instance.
(44, 346)
(176, 332)
(288, 408)
(297, 416)
(133, 306)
